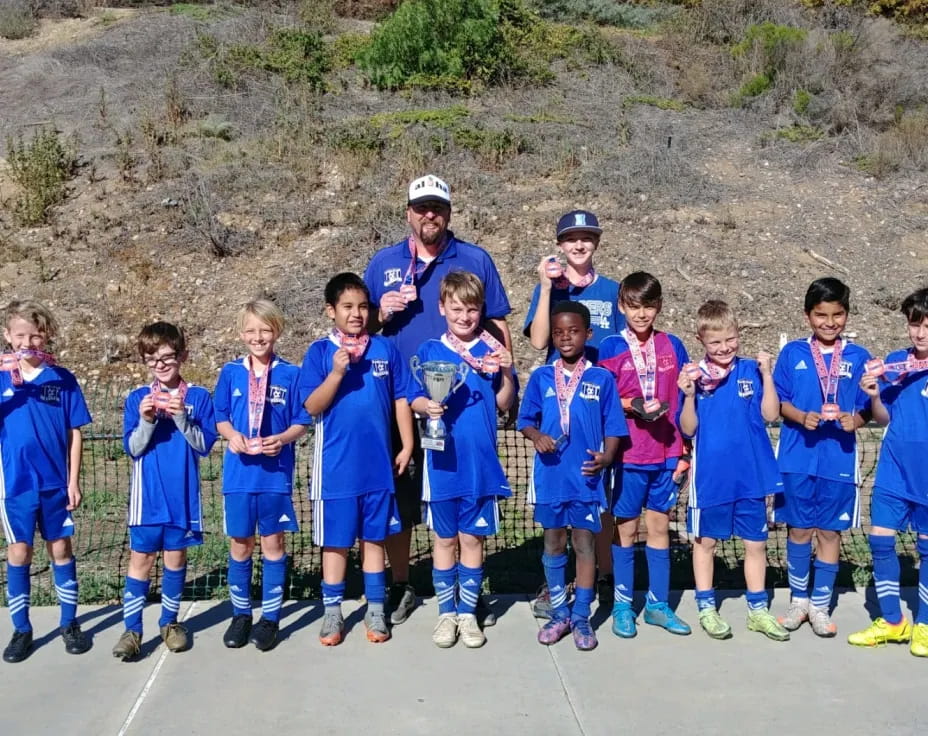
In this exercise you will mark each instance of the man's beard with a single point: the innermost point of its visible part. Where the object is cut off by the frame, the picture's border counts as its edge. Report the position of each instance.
(432, 236)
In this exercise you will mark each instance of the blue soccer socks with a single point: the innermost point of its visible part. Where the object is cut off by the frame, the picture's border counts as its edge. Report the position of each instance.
(172, 590)
(18, 592)
(757, 599)
(825, 574)
(921, 616)
(469, 581)
(332, 595)
(133, 601)
(583, 597)
(554, 566)
(705, 599)
(272, 588)
(375, 584)
(658, 574)
(444, 582)
(886, 576)
(623, 568)
(66, 587)
(798, 563)
(240, 586)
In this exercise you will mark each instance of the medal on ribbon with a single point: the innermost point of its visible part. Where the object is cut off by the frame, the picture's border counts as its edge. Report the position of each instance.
(555, 271)
(646, 368)
(354, 344)
(488, 363)
(828, 377)
(564, 391)
(9, 362)
(161, 397)
(877, 367)
(257, 397)
(707, 375)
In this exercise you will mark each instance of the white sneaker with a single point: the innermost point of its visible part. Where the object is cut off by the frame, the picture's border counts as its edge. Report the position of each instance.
(796, 614)
(821, 622)
(470, 631)
(446, 630)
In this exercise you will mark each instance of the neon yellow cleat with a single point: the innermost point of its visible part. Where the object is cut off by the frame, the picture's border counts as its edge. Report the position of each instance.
(882, 632)
(920, 640)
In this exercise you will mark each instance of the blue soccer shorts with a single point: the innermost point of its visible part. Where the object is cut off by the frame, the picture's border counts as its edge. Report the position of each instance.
(270, 512)
(150, 538)
(641, 487)
(745, 518)
(894, 512)
(476, 516)
(338, 522)
(573, 514)
(48, 510)
(810, 502)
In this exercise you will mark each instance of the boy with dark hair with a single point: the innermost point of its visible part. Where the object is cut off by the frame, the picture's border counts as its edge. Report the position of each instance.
(817, 379)
(900, 495)
(571, 414)
(354, 384)
(168, 426)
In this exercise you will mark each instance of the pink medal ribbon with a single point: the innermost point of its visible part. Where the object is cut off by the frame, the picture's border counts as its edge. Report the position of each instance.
(161, 397)
(828, 378)
(354, 344)
(646, 367)
(408, 288)
(877, 367)
(565, 391)
(488, 363)
(707, 374)
(257, 394)
(555, 271)
(9, 362)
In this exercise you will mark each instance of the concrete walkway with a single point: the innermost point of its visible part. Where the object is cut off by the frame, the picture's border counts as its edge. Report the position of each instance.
(654, 684)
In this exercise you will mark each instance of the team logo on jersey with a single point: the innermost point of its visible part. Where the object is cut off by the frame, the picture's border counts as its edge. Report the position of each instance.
(600, 312)
(846, 369)
(380, 368)
(51, 394)
(666, 363)
(745, 388)
(278, 395)
(589, 391)
(392, 276)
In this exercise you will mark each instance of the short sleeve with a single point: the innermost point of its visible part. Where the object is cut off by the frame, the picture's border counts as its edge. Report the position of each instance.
(130, 417)
(374, 284)
(861, 399)
(609, 348)
(530, 409)
(222, 401)
(679, 350)
(78, 414)
(400, 373)
(298, 413)
(313, 371)
(614, 424)
(495, 299)
(414, 389)
(532, 308)
(782, 377)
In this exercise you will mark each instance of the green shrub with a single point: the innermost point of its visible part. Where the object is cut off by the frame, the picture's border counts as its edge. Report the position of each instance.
(753, 87)
(770, 40)
(40, 168)
(17, 19)
(344, 49)
(492, 146)
(801, 100)
(603, 12)
(915, 11)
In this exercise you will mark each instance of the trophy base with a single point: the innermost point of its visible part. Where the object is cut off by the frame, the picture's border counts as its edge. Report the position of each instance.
(433, 443)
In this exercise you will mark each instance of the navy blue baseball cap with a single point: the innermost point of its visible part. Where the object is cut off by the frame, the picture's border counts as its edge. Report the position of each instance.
(578, 220)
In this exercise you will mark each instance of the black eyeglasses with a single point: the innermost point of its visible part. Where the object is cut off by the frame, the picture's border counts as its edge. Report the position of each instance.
(162, 360)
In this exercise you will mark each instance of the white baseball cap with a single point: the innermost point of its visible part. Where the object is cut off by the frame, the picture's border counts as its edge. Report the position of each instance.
(429, 188)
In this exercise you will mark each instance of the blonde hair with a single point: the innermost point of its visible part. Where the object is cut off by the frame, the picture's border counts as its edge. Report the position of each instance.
(34, 312)
(464, 285)
(266, 311)
(715, 315)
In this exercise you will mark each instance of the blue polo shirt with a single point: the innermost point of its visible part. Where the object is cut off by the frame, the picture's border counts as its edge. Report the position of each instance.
(421, 320)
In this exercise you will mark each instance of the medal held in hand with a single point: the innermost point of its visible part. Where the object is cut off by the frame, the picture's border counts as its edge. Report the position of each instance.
(828, 378)
(646, 368)
(440, 379)
(161, 397)
(488, 363)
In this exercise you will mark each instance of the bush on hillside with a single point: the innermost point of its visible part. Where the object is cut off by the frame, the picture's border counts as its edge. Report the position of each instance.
(40, 168)
(17, 19)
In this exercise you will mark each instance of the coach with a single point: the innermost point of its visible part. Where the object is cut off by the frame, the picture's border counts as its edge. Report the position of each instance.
(404, 281)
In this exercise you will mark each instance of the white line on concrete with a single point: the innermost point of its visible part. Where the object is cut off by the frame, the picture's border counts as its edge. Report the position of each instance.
(151, 681)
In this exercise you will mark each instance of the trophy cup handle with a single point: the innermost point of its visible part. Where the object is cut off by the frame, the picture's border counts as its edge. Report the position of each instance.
(462, 371)
(416, 368)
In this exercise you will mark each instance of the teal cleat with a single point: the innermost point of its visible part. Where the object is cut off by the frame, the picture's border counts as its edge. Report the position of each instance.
(660, 614)
(623, 621)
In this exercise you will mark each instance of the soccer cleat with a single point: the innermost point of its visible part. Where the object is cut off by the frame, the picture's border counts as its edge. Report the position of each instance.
(553, 631)
(484, 613)
(376, 623)
(264, 634)
(174, 637)
(660, 614)
(821, 622)
(128, 646)
(881, 632)
(445, 633)
(624, 624)
(919, 646)
(796, 615)
(605, 589)
(402, 601)
(333, 624)
(766, 623)
(75, 641)
(470, 632)
(584, 636)
(713, 624)
(541, 605)
(19, 647)
(236, 635)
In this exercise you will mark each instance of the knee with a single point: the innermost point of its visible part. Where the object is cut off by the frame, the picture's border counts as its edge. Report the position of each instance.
(242, 547)
(828, 536)
(584, 544)
(174, 559)
(60, 550)
(19, 554)
(555, 541)
(272, 546)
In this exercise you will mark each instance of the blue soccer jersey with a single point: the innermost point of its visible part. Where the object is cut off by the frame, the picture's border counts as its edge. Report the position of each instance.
(732, 454)
(827, 452)
(353, 451)
(165, 483)
(421, 320)
(903, 465)
(469, 465)
(595, 413)
(282, 409)
(35, 418)
(601, 298)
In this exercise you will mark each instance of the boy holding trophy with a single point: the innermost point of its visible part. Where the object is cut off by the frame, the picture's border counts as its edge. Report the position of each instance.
(463, 477)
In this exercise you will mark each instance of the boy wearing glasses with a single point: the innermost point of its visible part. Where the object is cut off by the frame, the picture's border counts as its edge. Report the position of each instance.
(168, 426)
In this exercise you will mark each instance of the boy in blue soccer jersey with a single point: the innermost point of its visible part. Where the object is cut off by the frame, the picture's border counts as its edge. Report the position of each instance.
(168, 426)
(354, 383)
(572, 416)
(41, 412)
(726, 400)
(462, 482)
(817, 379)
(259, 413)
(900, 492)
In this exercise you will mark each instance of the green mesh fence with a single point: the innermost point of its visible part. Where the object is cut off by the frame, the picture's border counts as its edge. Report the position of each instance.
(513, 556)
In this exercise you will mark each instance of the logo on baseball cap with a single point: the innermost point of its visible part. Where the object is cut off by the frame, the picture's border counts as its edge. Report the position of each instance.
(429, 188)
(578, 220)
